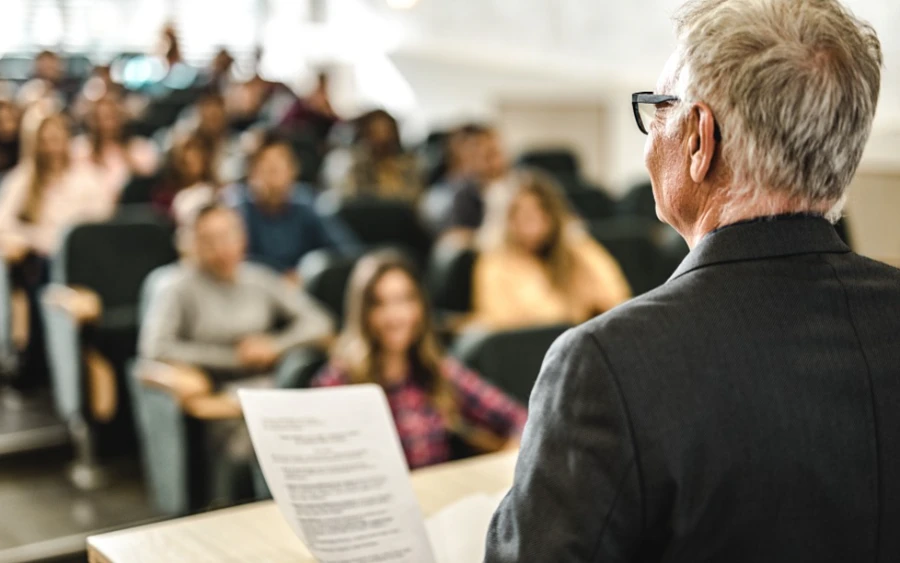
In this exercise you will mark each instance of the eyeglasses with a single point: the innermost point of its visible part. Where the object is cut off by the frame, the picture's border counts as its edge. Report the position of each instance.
(645, 105)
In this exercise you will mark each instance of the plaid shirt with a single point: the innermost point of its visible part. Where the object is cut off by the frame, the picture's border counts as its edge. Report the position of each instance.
(422, 432)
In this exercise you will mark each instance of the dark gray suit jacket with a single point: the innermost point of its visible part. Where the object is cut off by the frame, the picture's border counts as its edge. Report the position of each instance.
(746, 411)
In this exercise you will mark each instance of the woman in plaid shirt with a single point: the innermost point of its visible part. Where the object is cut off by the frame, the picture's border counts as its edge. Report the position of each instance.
(389, 339)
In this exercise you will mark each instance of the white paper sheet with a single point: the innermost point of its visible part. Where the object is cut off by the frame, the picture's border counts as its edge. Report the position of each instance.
(458, 531)
(334, 465)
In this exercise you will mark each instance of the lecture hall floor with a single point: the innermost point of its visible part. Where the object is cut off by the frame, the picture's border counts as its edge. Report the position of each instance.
(42, 516)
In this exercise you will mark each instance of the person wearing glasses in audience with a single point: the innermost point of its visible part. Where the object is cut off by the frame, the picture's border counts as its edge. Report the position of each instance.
(219, 319)
(746, 410)
(389, 339)
(537, 265)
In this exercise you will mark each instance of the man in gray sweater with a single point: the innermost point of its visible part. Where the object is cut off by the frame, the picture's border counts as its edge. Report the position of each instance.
(226, 317)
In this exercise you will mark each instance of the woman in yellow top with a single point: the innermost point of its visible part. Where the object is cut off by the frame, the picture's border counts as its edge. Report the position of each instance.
(537, 265)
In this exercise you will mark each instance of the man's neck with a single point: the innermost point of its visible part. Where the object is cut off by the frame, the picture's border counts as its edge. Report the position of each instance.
(720, 214)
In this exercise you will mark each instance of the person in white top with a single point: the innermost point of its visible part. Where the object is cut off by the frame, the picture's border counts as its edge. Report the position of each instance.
(106, 146)
(45, 194)
(47, 191)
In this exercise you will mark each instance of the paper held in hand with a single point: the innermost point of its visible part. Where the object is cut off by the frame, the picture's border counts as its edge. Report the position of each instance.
(333, 462)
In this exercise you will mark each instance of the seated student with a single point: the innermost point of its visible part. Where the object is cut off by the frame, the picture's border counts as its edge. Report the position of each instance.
(221, 315)
(378, 165)
(190, 181)
(389, 339)
(106, 146)
(45, 194)
(281, 226)
(485, 168)
(537, 265)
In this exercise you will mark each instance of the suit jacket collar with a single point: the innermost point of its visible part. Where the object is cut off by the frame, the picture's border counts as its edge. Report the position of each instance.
(764, 238)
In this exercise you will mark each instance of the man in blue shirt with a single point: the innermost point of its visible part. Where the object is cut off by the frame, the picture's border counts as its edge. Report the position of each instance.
(282, 226)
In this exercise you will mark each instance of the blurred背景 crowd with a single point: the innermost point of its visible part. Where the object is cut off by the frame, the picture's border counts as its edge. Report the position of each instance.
(261, 195)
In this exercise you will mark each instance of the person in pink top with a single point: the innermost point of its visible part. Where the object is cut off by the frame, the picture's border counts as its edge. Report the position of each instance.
(45, 194)
(389, 339)
(106, 146)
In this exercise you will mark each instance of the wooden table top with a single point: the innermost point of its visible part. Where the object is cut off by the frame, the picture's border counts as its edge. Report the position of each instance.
(257, 532)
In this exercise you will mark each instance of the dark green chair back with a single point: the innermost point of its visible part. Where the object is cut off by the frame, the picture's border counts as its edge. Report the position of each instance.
(591, 203)
(449, 277)
(385, 222)
(325, 276)
(631, 241)
(639, 201)
(112, 259)
(509, 359)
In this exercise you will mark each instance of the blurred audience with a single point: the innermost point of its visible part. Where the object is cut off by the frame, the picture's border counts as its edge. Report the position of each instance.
(48, 66)
(10, 119)
(190, 181)
(282, 226)
(377, 164)
(389, 339)
(537, 265)
(313, 114)
(106, 145)
(228, 318)
(212, 128)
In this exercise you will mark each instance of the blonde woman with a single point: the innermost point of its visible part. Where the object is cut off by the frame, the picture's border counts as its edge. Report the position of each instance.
(45, 194)
(537, 265)
(389, 339)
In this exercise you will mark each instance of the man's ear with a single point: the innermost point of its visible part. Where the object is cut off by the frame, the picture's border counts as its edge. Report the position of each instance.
(701, 141)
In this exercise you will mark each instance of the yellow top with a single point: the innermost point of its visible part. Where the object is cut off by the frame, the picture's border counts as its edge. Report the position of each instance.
(513, 288)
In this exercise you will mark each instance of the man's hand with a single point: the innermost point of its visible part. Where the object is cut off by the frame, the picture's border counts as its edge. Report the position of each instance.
(257, 352)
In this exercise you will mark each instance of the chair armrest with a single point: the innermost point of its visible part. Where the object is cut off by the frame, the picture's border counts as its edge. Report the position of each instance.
(189, 388)
(80, 303)
(62, 340)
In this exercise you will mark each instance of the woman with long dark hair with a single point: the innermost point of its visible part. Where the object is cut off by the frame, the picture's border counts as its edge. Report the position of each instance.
(389, 339)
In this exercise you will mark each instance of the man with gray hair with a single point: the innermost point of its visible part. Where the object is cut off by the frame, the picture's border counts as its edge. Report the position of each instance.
(747, 410)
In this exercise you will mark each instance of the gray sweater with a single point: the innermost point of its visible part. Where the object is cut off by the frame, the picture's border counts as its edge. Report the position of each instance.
(199, 320)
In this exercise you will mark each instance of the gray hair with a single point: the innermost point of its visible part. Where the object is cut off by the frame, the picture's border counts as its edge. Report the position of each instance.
(793, 85)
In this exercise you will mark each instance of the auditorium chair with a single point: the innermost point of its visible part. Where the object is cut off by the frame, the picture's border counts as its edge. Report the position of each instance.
(182, 473)
(509, 359)
(7, 350)
(325, 274)
(633, 242)
(592, 203)
(561, 164)
(449, 276)
(102, 265)
(639, 201)
(139, 190)
(382, 222)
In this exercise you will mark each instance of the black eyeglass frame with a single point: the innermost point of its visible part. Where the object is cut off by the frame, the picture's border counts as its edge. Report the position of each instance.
(654, 99)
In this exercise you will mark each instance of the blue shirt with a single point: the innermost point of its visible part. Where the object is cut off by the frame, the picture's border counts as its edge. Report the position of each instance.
(280, 239)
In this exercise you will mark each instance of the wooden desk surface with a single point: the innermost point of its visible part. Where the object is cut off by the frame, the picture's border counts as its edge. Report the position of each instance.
(257, 532)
